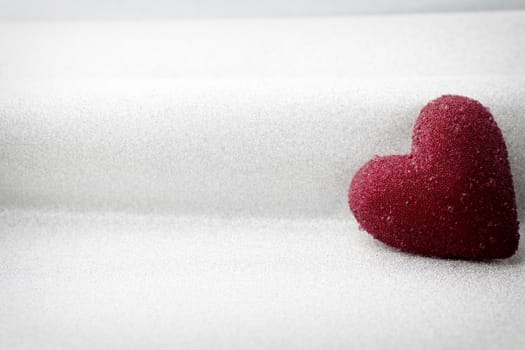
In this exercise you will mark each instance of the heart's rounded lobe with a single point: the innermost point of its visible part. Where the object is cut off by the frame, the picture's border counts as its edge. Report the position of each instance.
(452, 196)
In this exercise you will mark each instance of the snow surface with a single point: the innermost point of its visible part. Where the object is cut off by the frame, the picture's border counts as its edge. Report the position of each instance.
(182, 184)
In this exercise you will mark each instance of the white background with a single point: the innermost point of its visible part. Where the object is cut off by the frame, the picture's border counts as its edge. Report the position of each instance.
(182, 184)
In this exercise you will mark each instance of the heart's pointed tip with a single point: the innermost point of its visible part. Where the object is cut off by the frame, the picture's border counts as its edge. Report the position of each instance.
(473, 251)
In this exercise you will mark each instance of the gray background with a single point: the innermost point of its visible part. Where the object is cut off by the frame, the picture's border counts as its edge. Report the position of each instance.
(112, 9)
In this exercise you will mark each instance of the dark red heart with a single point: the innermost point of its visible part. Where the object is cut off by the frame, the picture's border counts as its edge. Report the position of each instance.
(452, 196)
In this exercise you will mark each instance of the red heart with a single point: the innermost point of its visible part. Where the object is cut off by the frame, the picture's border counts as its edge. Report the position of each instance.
(452, 196)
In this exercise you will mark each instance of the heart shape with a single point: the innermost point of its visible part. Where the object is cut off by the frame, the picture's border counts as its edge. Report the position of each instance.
(452, 196)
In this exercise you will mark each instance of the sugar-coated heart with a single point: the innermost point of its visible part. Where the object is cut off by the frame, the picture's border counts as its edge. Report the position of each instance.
(452, 196)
